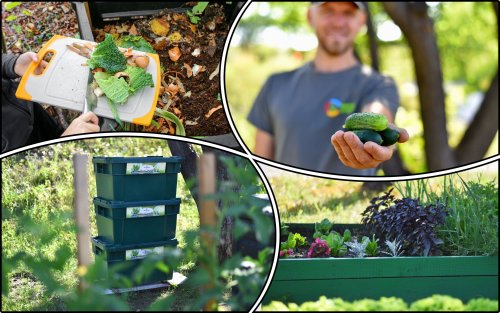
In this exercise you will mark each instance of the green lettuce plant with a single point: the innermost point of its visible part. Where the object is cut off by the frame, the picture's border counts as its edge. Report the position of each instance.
(322, 228)
(336, 244)
(371, 246)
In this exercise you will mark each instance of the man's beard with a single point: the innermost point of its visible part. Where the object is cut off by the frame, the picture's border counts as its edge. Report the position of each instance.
(334, 49)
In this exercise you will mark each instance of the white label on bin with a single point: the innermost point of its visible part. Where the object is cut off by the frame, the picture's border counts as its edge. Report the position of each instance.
(145, 211)
(145, 168)
(142, 253)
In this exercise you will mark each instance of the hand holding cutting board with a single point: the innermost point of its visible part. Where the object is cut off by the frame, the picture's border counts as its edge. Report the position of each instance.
(63, 83)
(24, 61)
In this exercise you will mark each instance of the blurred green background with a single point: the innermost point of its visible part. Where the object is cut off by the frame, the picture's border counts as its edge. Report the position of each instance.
(274, 37)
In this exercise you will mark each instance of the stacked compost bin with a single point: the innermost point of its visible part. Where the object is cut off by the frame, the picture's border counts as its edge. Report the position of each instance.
(136, 211)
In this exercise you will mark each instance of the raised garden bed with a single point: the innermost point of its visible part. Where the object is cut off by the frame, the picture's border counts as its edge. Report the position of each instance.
(410, 278)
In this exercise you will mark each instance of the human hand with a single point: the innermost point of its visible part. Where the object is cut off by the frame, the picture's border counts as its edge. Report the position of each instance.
(353, 153)
(85, 123)
(24, 60)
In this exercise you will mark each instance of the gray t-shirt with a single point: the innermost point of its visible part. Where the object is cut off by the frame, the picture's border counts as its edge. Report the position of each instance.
(303, 108)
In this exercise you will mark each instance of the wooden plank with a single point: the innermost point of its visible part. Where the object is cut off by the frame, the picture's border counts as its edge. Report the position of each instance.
(409, 289)
(332, 268)
(208, 220)
(82, 217)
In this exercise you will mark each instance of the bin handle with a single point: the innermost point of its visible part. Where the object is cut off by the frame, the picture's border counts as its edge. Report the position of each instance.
(98, 250)
(101, 211)
(101, 168)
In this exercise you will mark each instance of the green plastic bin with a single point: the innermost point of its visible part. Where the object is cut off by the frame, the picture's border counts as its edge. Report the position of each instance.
(129, 222)
(137, 178)
(128, 257)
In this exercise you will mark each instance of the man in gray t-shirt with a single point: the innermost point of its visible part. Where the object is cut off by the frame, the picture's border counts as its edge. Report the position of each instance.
(297, 112)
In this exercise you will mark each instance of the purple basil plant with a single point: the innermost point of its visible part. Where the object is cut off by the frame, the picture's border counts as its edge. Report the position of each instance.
(318, 249)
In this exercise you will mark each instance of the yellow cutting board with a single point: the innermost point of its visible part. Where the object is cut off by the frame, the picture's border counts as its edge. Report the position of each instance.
(63, 83)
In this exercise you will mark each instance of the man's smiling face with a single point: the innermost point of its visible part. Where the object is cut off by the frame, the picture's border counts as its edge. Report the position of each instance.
(336, 25)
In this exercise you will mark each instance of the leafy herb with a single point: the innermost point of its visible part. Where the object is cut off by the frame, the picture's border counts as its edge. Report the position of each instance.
(372, 246)
(136, 42)
(407, 218)
(139, 79)
(294, 240)
(358, 249)
(394, 248)
(115, 89)
(336, 244)
(197, 10)
(347, 235)
(107, 56)
(322, 228)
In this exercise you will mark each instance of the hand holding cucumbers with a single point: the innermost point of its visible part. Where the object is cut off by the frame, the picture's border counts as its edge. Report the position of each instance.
(367, 140)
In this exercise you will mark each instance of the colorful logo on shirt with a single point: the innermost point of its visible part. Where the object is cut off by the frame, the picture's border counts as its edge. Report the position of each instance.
(334, 107)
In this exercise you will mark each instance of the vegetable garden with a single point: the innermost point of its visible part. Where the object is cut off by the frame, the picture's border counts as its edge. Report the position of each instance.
(417, 239)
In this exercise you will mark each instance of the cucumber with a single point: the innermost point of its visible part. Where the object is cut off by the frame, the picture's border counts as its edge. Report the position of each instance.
(366, 120)
(368, 135)
(389, 136)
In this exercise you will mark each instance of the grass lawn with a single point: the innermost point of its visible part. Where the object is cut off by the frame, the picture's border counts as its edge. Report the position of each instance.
(305, 199)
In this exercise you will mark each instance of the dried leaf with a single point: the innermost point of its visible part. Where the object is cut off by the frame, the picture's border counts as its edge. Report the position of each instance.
(212, 47)
(173, 89)
(196, 52)
(177, 111)
(214, 73)
(160, 27)
(187, 94)
(121, 29)
(178, 17)
(211, 111)
(198, 69)
(193, 28)
(180, 84)
(174, 54)
(190, 123)
(161, 45)
(171, 129)
(132, 30)
(175, 37)
(189, 70)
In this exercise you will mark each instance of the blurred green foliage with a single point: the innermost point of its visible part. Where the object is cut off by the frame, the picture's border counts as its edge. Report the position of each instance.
(434, 303)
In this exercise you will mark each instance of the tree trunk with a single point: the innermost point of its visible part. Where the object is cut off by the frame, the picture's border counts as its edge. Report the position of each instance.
(416, 25)
(225, 246)
(189, 168)
(372, 37)
(482, 130)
